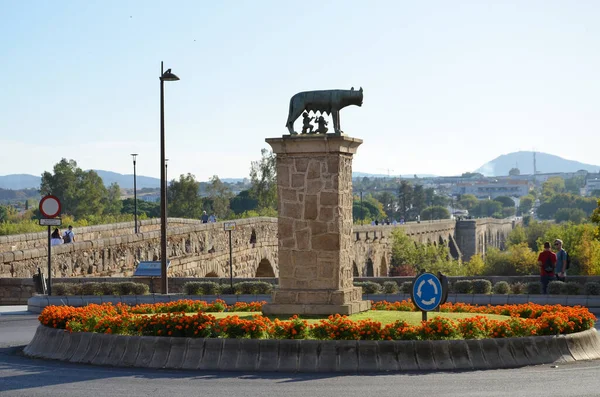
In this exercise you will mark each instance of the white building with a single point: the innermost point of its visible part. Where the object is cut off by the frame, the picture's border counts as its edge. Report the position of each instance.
(492, 189)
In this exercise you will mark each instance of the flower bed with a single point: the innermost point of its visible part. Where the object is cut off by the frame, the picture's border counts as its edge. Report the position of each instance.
(186, 318)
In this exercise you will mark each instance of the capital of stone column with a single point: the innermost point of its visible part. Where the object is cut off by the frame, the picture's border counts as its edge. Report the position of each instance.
(313, 143)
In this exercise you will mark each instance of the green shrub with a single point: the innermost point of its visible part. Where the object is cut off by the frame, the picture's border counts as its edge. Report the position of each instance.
(91, 289)
(141, 289)
(61, 289)
(390, 287)
(482, 286)
(227, 290)
(534, 288)
(572, 288)
(501, 287)
(518, 288)
(371, 287)
(556, 287)
(264, 288)
(463, 287)
(406, 287)
(109, 288)
(127, 288)
(592, 288)
(245, 288)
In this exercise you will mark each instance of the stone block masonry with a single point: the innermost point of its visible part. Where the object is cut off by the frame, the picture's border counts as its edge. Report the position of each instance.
(314, 185)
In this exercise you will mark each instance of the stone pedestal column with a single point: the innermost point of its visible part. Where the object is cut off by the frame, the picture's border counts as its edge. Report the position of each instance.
(314, 186)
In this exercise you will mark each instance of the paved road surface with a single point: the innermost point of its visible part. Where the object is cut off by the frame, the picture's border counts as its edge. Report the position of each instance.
(21, 376)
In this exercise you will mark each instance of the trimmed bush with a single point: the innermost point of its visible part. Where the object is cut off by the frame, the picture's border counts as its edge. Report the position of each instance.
(534, 288)
(482, 286)
(201, 288)
(127, 288)
(370, 287)
(61, 289)
(390, 287)
(109, 288)
(227, 290)
(592, 288)
(91, 289)
(572, 288)
(140, 289)
(264, 288)
(501, 287)
(556, 287)
(518, 288)
(405, 287)
(463, 287)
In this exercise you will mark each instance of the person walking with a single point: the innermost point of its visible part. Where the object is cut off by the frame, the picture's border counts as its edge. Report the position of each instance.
(561, 260)
(204, 217)
(56, 238)
(69, 236)
(547, 264)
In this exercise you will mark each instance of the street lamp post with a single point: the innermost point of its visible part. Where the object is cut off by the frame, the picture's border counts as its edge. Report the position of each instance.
(135, 228)
(164, 76)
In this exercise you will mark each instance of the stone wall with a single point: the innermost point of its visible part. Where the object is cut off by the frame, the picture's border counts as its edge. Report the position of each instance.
(40, 240)
(194, 250)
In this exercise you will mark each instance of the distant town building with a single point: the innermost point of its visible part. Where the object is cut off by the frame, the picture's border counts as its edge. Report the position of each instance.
(492, 188)
(592, 182)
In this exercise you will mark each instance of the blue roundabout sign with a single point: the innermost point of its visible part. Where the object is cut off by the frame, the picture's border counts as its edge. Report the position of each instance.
(427, 292)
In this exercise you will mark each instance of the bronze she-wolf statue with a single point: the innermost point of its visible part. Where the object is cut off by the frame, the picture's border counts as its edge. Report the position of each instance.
(324, 101)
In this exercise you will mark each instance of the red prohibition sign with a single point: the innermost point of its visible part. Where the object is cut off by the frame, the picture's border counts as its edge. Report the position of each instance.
(50, 206)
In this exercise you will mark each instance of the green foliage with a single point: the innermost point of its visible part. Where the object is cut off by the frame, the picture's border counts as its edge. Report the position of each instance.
(574, 185)
(534, 288)
(370, 287)
(506, 201)
(82, 193)
(201, 288)
(390, 287)
(263, 176)
(572, 288)
(556, 287)
(107, 288)
(145, 209)
(482, 286)
(474, 267)
(518, 288)
(421, 257)
(243, 202)
(553, 186)
(252, 288)
(219, 196)
(526, 204)
(517, 236)
(596, 219)
(549, 208)
(468, 202)
(516, 260)
(487, 208)
(406, 287)
(183, 198)
(435, 212)
(463, 287)
(592, 288)
(574, 215)
(501, 287)
(371, 209)
(514, 172)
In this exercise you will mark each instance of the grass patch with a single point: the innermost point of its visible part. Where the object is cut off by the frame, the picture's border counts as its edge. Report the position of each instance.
(383, 316)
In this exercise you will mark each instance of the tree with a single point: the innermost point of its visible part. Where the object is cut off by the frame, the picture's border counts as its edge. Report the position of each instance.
(243, 202)
(552, 187)
(388, 201)
(435, 212)
(486, 208)
(114, 204)
(526, 204)
(468, 201)
(145, 208)
(184, 199)
(405, 193)
(219, 196)
(596, 219)
(574, 185)
(574, 215)
(505, 201)
(4, 211)
(263, 176)
(371, 209)
(418, 199)
(472, 175)
(82, 193)
(514, 172)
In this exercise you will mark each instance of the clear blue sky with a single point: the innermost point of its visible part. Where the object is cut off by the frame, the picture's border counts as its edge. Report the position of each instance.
(448, 85)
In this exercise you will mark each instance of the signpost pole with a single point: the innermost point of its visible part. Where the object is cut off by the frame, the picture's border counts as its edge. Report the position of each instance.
(49, 264)
(423, 315)
(230, 263)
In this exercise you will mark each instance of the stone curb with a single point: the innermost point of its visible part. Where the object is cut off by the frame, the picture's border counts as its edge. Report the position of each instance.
(311, 355)
(37, 303)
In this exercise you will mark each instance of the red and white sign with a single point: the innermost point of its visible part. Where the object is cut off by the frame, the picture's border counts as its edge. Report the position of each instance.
(50, 206)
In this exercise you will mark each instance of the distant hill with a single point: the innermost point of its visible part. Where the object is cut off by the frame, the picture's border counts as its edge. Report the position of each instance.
(20, 181)
(545, 162)
(126, 181)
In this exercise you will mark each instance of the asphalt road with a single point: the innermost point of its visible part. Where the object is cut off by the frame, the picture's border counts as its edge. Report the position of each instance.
(22, 376)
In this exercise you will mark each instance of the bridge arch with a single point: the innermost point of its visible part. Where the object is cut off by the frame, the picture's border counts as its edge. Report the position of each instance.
(383, 269)
(211, 274)
(369, 268)
(355, 270)
(264, 269)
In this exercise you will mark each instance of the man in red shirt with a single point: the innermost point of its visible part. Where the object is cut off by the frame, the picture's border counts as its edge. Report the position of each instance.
(547, 264)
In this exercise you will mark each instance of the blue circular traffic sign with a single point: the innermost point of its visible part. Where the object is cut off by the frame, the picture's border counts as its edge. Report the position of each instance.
(427, 292)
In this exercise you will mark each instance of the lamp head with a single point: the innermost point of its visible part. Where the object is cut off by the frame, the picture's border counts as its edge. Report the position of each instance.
(168, 76)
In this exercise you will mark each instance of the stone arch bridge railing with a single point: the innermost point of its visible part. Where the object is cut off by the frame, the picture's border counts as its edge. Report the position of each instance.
(202, 250)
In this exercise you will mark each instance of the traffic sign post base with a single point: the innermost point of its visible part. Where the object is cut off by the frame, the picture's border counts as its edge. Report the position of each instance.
(423, 315)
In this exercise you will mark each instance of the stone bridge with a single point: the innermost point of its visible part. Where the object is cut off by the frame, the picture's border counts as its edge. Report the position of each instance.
(202, 250)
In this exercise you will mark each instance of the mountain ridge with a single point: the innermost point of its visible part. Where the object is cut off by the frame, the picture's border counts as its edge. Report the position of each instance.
(523, 160)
